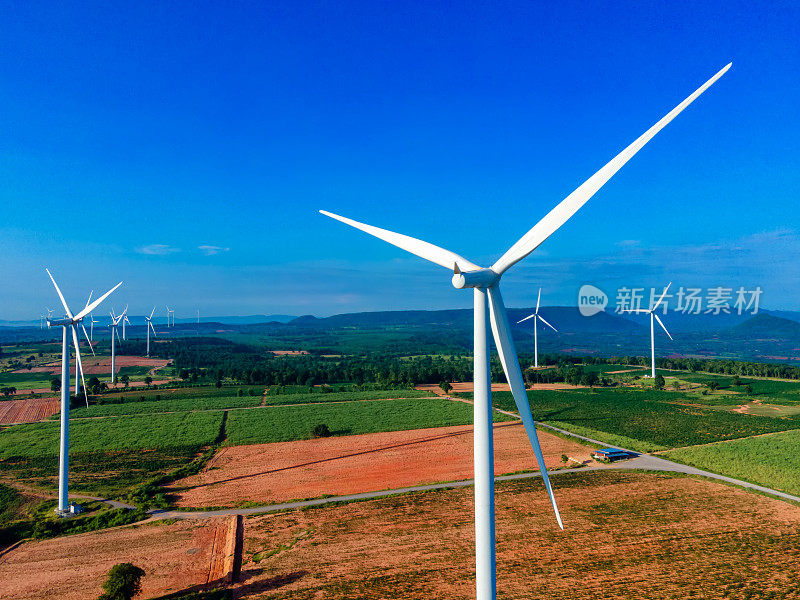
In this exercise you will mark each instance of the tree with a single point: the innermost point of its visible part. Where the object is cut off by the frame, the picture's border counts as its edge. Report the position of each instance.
(148, 380)
(125, 379)
(676, 386)
(446, 387)
(659, 382)
(123, 582)
(748, 389)
(712, 385)
(8, 390)
(55, 384)
(219, 383)
(736, 380)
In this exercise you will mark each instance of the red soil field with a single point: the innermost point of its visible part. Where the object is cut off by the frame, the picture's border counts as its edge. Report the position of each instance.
(466, 386)
(627, 535)
(267, 473)
(28, 411)
(175, 557)
(99, 366)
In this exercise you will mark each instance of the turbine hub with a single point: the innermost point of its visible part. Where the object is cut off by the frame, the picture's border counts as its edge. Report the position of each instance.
(481, 278)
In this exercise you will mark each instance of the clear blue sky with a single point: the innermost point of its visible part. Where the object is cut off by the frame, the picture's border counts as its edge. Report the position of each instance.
(186, 148)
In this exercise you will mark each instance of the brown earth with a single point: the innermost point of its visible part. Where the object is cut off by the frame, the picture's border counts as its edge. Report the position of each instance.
(28, 411)
(289, 352)
(466, 386)
(626, 535)
(267, 473)
(175, 557)
(100, 365)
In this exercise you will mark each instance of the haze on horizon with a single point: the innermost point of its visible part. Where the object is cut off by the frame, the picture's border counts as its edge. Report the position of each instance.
(186, 150)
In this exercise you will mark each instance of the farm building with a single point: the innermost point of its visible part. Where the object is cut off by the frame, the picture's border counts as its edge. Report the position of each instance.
(613, 454)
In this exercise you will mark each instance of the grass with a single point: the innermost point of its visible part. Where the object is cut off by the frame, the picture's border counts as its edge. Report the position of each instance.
(10, 501)
(25, 381)
(769, 460)
(109, 434)
(280, 424)
(647, 419)
(168, 405)
(295, 398)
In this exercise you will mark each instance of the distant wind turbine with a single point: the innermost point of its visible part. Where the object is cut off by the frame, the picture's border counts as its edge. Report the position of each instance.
(148, 326)
(69, 322)
(170, 313)
(115, 321)
(124, 321)
(488, 305)
(537, 317)
(652, 312)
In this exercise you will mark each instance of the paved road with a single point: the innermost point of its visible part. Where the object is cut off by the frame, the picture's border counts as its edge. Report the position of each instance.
(642, 462)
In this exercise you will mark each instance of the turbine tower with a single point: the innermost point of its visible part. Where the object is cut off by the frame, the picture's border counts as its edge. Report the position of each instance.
(170, 313)
(652, 312)
(148, 327)
(488, 305)
(537, 317)
(69, 322)
(114, 332)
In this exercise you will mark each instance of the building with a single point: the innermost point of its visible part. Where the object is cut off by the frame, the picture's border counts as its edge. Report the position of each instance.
(613, 454)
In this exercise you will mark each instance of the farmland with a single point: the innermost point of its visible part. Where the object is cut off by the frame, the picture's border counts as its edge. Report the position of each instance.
(28, 410)
(770, 460)
(651, 419)
(119, 433)
(286, 423)
(163, 406)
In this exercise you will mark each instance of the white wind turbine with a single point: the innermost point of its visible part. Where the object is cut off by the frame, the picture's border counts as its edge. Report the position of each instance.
(537, 317)
(170, 313)
(115, 321)
(124, 321)
(70, 322)
(652, 312)
(148, 327)
(488, 303)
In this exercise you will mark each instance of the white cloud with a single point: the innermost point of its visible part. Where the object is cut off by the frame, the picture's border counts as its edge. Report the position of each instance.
(157, 249)
(212, 250)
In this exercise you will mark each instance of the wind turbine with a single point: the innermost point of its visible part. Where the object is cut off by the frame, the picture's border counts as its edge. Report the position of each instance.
(148, 327)
(537, 317)
(172, 313)
(92, 321)
(69, 322)
(125, 320)
(652, 312)
(488, 304)
(114, 332)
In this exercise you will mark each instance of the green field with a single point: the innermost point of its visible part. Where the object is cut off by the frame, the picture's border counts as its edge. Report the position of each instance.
(206, 391)
(113, 433)
(275, 400)
(162, 406)
(651, 418)
(769, 460)
(25, 381)
(280, 424)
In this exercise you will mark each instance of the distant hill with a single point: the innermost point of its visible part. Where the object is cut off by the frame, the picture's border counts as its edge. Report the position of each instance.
(767, 326)
(566, 319)
(237, 320)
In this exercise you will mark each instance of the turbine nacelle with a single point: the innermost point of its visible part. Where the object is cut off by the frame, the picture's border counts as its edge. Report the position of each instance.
(65, 322)
(480, 278)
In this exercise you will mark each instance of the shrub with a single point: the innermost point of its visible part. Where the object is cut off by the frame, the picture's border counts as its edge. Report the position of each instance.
(123, 582)
(321, 431)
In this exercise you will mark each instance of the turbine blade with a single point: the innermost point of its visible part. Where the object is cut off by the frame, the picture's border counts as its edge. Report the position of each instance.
(435, 254)
(152, 311)
(96, 303)
(88, 341)
(526, 318)
(664, 293)
(662, 325)
(117, 332)
(153, 328)
(90, 297)
(539, 297)
(79, 363)
(60, 295)
(541, 318)
(572, 203)
(510, 362)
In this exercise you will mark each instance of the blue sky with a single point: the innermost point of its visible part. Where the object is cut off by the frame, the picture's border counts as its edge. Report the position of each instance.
(186, 148)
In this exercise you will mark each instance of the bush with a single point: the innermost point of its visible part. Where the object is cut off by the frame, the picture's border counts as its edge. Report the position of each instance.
(123, 583)
(321, 431)
(659, 382)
